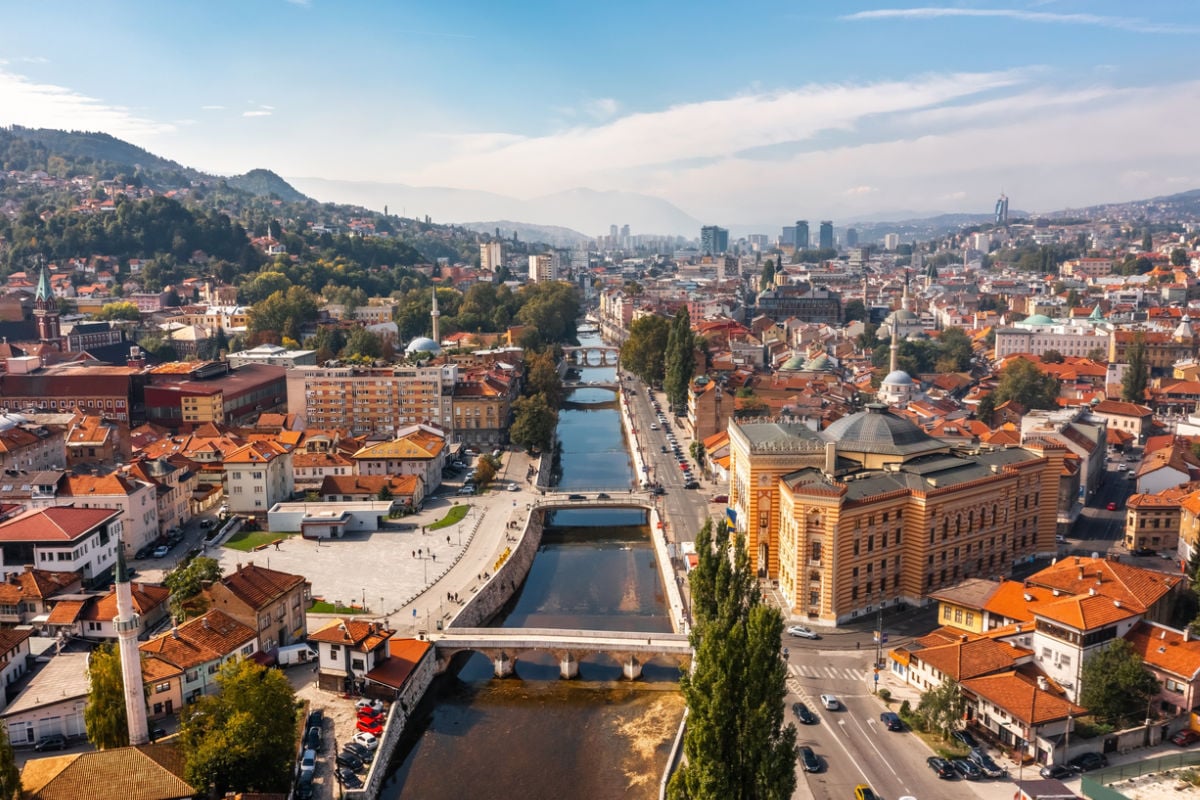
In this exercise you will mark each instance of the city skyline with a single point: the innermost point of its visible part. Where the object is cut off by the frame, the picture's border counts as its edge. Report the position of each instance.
(857, 111)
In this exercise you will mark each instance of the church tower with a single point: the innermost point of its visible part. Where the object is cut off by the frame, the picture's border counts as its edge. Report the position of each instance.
(126, 624)
(45, 312)
(436, 315)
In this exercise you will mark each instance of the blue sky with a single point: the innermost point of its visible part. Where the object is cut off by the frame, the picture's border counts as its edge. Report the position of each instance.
(736, 112)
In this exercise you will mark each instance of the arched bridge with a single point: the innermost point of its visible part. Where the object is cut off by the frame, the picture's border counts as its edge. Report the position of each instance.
(613, 499)
(582, 355)
(504, 645)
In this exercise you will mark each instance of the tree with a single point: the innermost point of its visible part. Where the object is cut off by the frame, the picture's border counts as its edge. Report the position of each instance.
(767, 280)
(855, 310)
(187, 581)
(485, 471)
(104, 716)
(1147, 241)
(120, 310)
(533, 422)
(941, 708)
(1097, 354)
(955, 351)
(1116, 686)
(1022, 381)
(385, 493)
(543, 378)
(736, 743)
(364, 344)
(1137, 375)
(643, 353)
(1179, 257)
(244, 737)
(1052, 357)
(1072, 300)
(680, 360)
(10, 776)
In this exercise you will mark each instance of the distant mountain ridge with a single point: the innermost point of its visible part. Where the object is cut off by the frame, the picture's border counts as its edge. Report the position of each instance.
(526, 232)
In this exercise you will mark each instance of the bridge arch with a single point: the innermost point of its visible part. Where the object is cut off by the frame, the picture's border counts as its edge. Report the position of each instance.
(505, 647)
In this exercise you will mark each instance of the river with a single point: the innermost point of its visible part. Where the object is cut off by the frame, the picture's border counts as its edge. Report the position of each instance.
(534, 735)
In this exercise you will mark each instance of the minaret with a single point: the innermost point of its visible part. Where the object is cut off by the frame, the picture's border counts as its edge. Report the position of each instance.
(45, 311)
(436, 315)
(126, 624)
(893, 349)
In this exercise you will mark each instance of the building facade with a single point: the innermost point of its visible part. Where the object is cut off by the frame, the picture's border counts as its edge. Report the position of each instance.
(372, 400)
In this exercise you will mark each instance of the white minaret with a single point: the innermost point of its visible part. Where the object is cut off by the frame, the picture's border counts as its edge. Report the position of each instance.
(126, 623)
(436, 315)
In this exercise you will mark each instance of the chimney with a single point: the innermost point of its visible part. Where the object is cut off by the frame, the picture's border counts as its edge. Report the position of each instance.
(205, 585)
(1187, 633)
(1117, 603)
(830, 458)
(1028, 597)
(1091, 591)
(1043, 684)
(1099, 577)
(1081, 573)
(1161, 634)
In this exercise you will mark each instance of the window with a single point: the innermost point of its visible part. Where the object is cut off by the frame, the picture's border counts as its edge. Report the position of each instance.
(946, 612)
(958, 615)
(162, 687)
(814, 598)
(970, 619)
(816, 551)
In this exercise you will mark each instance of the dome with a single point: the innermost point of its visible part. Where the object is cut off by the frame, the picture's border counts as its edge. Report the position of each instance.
(818, 363)
(793, 363)
(423, 344)
(1037, 319)
(898, 378)
(903, 315)
(877, 430)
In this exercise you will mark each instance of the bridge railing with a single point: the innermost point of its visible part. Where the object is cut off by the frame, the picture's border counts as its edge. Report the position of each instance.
(501, 634)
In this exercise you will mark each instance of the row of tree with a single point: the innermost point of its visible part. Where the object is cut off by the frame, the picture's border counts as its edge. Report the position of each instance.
(663, 352)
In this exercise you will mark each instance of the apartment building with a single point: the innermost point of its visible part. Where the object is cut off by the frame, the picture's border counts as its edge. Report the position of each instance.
(372, 400)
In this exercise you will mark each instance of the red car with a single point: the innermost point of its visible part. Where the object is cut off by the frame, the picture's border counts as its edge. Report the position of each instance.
(370, 714)
(1111, 506)
(1185, 737)
(373, 727)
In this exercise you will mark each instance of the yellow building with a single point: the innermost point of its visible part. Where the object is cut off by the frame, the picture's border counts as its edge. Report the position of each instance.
(873, 510)
(1152, 521)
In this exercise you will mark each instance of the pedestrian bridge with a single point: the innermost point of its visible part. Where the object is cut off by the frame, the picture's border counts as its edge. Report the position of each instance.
(504, 645)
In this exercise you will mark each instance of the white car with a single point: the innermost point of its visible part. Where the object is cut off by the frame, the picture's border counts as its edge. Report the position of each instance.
(512, 487)
(374, 705)
(803, 632)
(830, 702)
(308, 763)
(367, 740)
(653, 426)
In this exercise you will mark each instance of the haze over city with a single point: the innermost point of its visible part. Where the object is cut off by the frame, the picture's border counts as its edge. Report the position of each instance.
(752, 114)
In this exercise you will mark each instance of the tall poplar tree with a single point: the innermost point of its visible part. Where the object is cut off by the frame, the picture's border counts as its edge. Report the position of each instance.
(104, 716)
(1133, 385)
(10, 776)
(680, 360)
(736, 744)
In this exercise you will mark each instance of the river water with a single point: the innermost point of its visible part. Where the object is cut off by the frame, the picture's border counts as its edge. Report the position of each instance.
(534, 735)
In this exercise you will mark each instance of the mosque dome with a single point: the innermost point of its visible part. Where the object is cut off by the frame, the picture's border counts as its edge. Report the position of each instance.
(878, 431)
(1037, 319)
(794, 363)
(423, 344)
(819, 363)
(898, 378)
(903, 315)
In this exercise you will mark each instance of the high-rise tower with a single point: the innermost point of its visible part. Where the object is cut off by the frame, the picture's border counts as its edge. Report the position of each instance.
(126, 624)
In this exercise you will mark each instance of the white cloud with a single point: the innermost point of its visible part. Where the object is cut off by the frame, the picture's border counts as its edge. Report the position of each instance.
(44, 105)
(259, 113)
(212, 108)
(712, 129)
(1131, 24)
(860, 190)
(601, 108)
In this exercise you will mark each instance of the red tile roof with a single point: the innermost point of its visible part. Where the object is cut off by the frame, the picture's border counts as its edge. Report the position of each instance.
(59, 524)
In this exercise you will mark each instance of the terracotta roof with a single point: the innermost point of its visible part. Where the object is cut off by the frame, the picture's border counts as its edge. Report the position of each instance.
(1120, 409)
(156, 669)
(1086, 612)
(968, 593)
(399, 485)
(58, 524)
(1137, 589)
(66, 612)
(1009, 600)
(363, 636)
(37, 584)
(257, 452)
(967, 659)
(146, 772)
(1022, 699)
(1165, 649)
(259, 587)
(199, 641)
(417, 445)
(403, 657)
(146, 598)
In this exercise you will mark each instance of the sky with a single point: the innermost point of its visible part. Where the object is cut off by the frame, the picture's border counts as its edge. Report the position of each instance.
(738, 113)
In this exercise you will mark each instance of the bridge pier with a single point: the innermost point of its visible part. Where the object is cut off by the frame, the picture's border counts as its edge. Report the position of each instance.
(632, 668)
(568, 666)
(502, 665)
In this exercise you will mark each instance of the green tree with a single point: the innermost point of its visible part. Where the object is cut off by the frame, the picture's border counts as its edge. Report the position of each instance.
(1116, 686)
(104, 716)
(1147, 241)
(485, 471)
(1137, 375)
(941, 708)
(244, 737)
(543, 378)
(1097, 354)
(855, 310)
(680, 360)
(1052, 357)
(385, 493)
(1179, 257)
(644, 352)
(737, 746)
(10, 776)
(767, 279)
(955, 351)
(283, 313)
(187, 581)
(1072, 300)
(1022, 381)
(120, 310)
(533, 422)
(364, 344)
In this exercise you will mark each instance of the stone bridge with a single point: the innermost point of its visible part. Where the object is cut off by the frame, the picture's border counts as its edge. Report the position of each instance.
(503, 645)
(583, 355)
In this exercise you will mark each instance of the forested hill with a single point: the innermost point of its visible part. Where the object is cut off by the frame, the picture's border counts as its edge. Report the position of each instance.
(265, 183)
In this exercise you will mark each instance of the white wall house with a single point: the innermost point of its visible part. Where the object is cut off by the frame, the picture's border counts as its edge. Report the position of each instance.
(257, 476)
(61, 539)
(137, 500)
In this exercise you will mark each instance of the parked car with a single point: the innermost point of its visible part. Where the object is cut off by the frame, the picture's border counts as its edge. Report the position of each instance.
(966, 739)
(161, 551)
(1185, 737)
(809, 759)
(1056, 771)
(719, 498)
(371, 726)
(364, 755)
(1086, 762)
(803, 632)
(374, 705)
(830, 702)
(985, 763)
(803, 714)
(53, 741)
(346, 777)
(144, 552)
(967, 768)
(304, 787)
(312, 739)
(692, 484)
(942, 768)
(891, 721)
(602, 496)
(512, 487)
(367, 740)
(467, 490)
(349, 760)
(1143, 551)
(308, 763)
(1111, 506)
(316, 718)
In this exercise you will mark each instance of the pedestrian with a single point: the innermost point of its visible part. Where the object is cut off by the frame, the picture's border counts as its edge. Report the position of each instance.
(447, 539)
(414, 553)
(858, 645)
(433, 555)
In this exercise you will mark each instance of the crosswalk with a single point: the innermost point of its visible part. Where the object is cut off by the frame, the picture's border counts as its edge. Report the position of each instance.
(832, 673)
